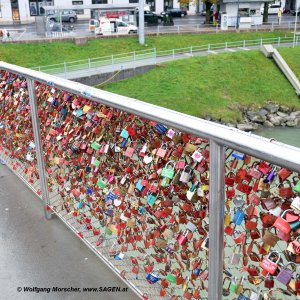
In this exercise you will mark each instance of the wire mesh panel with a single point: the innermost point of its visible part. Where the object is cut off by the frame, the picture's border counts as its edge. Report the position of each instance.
(261, 230)
(17, 147)
(134, 189)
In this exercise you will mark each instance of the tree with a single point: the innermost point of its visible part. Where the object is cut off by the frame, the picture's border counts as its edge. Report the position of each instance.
(208, 5)
(266, 12)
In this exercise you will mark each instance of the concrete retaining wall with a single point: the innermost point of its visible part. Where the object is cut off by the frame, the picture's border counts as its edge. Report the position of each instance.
(109, 77)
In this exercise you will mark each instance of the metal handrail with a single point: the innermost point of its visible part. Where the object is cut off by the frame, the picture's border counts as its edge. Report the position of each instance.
(278, 153)
(131, 56)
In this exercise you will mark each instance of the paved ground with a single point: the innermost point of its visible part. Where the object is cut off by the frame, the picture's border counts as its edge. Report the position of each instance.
(35, 252)
(188, 23)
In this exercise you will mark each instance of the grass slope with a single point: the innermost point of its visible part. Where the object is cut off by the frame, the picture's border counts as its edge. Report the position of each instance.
(292, 57)
(208, 85)
(31, 55)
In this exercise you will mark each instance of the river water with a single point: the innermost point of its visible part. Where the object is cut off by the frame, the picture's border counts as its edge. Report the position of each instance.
(287, 135)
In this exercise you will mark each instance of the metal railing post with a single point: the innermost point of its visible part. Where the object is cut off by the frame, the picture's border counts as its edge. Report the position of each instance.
(261, 42)
(244, 44)
(191, 51)
(173, 53)
(89, 61)
(278, 41)
(178, 29)
(216, 220)
(112, 59)
(154, 55)
(65, 68)
(38, 146)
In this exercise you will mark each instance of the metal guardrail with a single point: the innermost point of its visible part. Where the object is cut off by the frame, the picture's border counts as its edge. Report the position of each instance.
(44, 88)
(153, 54)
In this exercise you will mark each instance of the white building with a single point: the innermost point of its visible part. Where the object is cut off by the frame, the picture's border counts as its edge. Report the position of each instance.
(24, 11)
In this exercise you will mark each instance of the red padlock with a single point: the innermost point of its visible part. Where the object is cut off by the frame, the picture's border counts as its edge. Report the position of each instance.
(282, 224)
(268, 265)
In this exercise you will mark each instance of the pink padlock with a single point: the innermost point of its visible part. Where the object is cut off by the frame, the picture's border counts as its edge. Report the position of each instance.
(182, 238)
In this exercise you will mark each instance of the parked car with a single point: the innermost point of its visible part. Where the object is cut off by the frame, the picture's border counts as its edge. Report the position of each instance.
(150, 18)
(273, 9)
(54, 26)
(293, 12)
(174, 12)
(66, 16)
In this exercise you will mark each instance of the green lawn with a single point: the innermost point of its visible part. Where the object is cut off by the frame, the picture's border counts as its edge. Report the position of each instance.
(292, 57)
(207, 85)
(31, 55)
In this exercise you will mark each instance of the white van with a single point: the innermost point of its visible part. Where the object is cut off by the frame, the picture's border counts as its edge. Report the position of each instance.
(273, 9)
(106, 26)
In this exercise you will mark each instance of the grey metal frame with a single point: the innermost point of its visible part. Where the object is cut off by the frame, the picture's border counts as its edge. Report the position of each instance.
(219, 136)
(38, 146)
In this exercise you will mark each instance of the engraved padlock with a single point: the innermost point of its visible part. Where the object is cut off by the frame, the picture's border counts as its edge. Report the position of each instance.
(268, 265)
(282, 224)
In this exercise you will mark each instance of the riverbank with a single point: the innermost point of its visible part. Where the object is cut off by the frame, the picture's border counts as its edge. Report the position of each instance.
(219, 87)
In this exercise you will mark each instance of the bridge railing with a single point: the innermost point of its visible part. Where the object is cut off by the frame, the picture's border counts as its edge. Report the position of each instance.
(148, 189)
(152, 55)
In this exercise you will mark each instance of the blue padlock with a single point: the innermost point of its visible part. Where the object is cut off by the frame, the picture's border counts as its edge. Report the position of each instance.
(238, 217)
(123, 144)
(139, 185)
(152, 277)
(238, 155)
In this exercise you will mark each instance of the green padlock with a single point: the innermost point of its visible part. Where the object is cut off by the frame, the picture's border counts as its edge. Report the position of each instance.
(164, 182)
(168, 172)
(171, 278)
(101, 183)
(95, 145)
(151, 199)
(297, 187)
(108, 231)
(295, 225)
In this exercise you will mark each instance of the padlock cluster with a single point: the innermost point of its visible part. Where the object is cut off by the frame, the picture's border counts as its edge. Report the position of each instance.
(132, 181)
(138, 192)
(262, 230)
(16, 134)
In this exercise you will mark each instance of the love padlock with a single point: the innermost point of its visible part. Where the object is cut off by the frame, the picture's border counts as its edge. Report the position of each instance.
(236, 255)
(294, 246)
(268, 265)
(285, 275)
(282, 223)
(238, 217)
(167, 171)
(186, 174)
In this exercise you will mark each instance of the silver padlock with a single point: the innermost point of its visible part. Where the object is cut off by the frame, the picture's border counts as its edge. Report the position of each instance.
(186, 174)
(191, 226)
(236, 255)
(256, 295)
(296, 203)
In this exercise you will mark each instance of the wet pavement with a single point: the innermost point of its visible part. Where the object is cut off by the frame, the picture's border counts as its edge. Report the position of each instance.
(37, 253)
